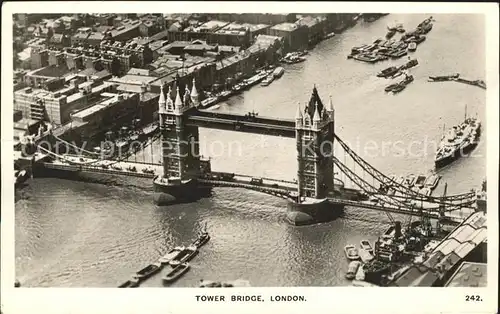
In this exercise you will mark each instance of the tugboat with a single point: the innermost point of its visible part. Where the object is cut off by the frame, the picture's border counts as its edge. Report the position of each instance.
(171, 255)
(202, 240)
(412, 46)
(390, 71)
(185, 255)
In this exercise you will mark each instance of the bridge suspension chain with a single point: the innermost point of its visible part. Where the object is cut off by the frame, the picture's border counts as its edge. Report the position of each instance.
(75, 147)
(383, 179)
(367, 188)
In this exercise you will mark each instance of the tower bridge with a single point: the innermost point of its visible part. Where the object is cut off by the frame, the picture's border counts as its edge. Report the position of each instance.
(316, 195)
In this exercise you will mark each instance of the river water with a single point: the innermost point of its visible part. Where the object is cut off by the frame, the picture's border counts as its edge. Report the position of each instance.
(82, 234)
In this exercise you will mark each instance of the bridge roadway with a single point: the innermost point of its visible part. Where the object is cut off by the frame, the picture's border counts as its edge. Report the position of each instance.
(243, 123)
(280, 188)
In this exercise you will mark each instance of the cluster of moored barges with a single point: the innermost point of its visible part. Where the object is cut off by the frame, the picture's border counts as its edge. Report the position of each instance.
(396, 248)
(176, 260)
(421, 184)
(382, 49)
(263, 76)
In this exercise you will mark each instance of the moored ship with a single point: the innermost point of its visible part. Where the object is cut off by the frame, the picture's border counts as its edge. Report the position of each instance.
(459, 140)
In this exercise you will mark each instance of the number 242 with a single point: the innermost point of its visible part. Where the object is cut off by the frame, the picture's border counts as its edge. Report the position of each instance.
(473, 298)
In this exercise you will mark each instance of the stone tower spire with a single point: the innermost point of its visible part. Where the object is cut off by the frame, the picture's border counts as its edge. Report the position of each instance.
(161, 101)
(299, 117)
(170, 102)
(178, 100)
(194, 94)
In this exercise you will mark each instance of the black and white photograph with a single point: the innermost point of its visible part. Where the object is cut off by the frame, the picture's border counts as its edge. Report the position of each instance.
(244, 149)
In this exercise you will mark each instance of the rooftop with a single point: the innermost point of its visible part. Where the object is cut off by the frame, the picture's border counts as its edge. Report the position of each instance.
(212, 26)
(50, 71)
(110, 101)
(469, 275)
(310, 21)
(243, 27)
(287, 27)
(25, 54)
(133, 79)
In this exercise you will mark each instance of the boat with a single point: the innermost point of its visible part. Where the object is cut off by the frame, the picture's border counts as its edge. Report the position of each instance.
(185, 255)
(20, 176)
(432, 181)
(365, 256)
(425, 191)
(399, 87)
(360, 274)
(419, 39)
(410, 64)
(148, 271)
(171, 255)
(268, 80)
(399, 53)
(209, 101)
(390, 88)
(425, 28)
(362, 283)
(211, 108)
(202, 240)
(412, 46)
(366, 245)
(366, 58)
(176, 272)
(278, 72)
(479, 83)
(352, 269)
(257, 78)
(390, 34)
(375, 270)
(351, 252)
(459, 140)
(441, 78)
(131, 283)
(330, 35)
(223, 284)
(390, 71)
(410, 180)
(419, 181)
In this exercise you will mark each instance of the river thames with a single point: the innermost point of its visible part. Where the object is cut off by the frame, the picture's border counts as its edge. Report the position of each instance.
(83, 234)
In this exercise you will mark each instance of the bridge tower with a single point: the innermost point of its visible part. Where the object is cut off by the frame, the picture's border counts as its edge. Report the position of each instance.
(314, 133)
(314, 129)
(180, 142)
